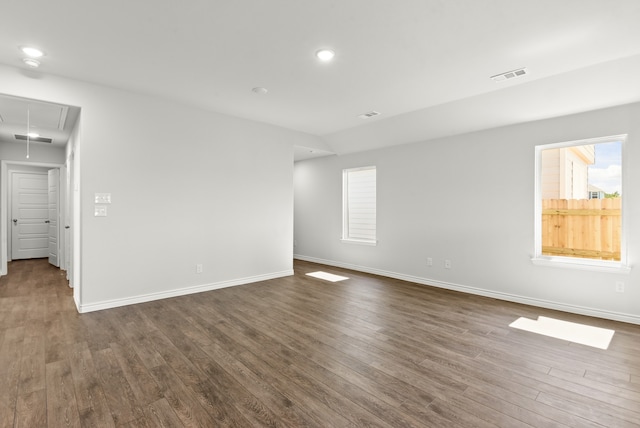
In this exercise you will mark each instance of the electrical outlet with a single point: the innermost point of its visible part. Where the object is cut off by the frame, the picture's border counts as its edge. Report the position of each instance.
(447, 264)
(102, 198)
(619, 287)
(198, 268)
(100, 211)
(429, 261)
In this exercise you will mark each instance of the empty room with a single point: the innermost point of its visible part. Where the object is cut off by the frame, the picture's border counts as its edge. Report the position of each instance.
(420, 213)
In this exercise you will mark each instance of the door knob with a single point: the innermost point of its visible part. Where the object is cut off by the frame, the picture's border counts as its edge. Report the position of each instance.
(15, 221)
(47, 221)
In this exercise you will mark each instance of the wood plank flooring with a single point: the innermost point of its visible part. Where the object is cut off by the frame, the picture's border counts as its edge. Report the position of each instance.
(302, 352)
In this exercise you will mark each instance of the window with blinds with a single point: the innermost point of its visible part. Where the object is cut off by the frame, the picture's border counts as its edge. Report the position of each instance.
(359, 205)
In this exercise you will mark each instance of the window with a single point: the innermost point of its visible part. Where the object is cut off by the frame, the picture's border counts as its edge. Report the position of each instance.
(579, 204)
(359, 205)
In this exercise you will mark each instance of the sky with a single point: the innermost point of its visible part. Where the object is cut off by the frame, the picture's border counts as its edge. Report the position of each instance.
(606, 173)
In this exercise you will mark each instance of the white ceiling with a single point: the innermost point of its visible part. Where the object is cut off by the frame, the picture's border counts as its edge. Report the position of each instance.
(424, 64)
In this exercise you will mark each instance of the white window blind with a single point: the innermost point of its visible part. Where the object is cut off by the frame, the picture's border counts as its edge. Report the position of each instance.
(360, 204)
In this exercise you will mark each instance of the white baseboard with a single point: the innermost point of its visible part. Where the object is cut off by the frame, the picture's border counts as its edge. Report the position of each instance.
(108, 304)
(581, 310)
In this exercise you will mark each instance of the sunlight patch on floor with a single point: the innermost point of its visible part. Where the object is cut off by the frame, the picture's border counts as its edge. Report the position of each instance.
(578, 333)
(327, 276)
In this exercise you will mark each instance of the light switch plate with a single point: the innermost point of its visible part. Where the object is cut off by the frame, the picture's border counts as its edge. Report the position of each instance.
(100, 211)
(102, 198)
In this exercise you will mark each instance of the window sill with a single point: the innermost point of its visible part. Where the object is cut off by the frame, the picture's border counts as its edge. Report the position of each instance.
(581, 264)
(358, 242)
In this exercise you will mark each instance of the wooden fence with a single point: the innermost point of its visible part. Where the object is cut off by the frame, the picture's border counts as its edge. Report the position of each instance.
(587, 228)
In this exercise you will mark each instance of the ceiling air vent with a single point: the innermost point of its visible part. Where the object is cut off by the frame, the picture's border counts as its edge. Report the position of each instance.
(369, 114)
(33, 140)
(510, 74)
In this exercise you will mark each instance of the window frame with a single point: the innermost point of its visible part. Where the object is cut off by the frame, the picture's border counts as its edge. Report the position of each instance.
(346, 238)
(575, 262)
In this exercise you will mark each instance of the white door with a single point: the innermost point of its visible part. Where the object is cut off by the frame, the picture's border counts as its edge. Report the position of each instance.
(53, 179)
(29, 215)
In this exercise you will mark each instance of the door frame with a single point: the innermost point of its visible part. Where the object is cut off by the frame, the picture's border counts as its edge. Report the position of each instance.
(4, 204)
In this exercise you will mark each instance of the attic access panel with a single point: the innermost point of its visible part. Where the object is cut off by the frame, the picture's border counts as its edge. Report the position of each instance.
(43, 115)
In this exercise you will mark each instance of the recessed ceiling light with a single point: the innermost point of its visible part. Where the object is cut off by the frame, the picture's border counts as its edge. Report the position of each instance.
(260, 90)
(325, 54)
(33, 135)
(33, 63)
(32, 52)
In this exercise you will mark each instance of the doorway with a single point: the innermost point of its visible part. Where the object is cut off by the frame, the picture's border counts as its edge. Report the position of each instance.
(32, 215)
(57, 148)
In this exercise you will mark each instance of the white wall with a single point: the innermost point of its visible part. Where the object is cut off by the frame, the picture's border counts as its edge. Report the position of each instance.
(469, 198)
(38, 153)
(188, 187)
(72, 211)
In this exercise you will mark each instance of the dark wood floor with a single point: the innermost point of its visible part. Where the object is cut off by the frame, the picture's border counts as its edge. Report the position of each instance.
(300, 351)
